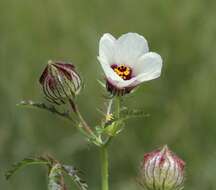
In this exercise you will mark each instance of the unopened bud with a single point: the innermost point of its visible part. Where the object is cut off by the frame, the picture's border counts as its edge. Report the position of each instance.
(162, 169)
(59, 80)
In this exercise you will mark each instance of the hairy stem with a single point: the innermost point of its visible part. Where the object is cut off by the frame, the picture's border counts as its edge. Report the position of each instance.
(118, 107)
(117, 115)
(104, 168)
(104, 151)
(109, 106)
(84, 128)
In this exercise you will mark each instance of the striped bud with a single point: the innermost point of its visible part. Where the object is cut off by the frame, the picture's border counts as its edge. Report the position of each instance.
(59, 80)
(162, 170)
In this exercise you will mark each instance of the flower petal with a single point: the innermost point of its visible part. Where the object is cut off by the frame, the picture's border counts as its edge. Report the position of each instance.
(113, 78)
(124, 83)
(129, 47)
(108, 70)
(148, 67)
(106, 47)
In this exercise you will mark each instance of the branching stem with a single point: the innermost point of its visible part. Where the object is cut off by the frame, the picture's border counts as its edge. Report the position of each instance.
(84, 128)
(104, 149)
(117, 115)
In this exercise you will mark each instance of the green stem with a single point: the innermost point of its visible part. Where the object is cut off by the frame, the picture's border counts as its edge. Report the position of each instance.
(104, 151)
(118, 107)
(84, 124)
(104, 168)
(84, 128)
(117, 115)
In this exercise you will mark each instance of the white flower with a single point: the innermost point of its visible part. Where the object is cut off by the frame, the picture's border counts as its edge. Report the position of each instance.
(127, 62)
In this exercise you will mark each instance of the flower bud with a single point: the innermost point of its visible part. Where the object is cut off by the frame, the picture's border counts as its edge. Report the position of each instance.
(162, 169)
(59, 80)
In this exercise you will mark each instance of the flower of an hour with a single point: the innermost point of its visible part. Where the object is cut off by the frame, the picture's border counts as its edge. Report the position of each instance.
(59, 80)
(162, 169)
(127, 62)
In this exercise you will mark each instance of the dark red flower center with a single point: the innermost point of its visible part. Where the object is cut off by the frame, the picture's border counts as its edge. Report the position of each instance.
(123, 71)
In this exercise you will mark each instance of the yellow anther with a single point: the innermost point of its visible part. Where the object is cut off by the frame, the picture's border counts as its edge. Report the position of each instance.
(123, 71)
(126, 72)
(109, 117)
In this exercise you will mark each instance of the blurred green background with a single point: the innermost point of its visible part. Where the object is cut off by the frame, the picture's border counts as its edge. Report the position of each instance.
(181, 103)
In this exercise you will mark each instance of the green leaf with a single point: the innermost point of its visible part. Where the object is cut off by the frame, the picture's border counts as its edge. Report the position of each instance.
(56, 171)
(25, 162)
(127, 114)
(114, 127)
(73, 173)
(41, 105)
(99, 130)
(56, 178)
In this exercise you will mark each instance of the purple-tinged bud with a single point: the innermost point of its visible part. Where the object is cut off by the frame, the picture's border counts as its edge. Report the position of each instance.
(162, 169)
(59, 80)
